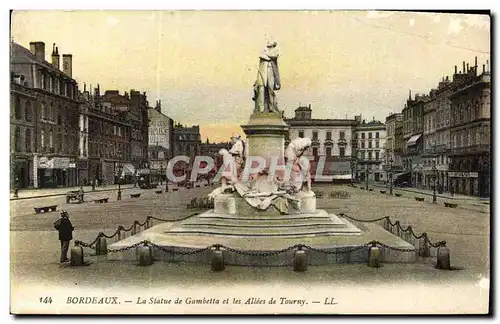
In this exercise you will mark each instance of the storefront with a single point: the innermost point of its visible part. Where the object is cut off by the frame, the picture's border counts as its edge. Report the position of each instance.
(82, 167)
(56, 172)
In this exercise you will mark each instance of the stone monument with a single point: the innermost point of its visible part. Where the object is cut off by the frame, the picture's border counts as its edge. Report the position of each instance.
(264, 213)
(266, 129)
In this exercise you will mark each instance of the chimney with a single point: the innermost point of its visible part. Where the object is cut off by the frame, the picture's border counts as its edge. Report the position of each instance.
(463, 66)
(484, 68)
(68, 64)
(475, 62)
(55, 56)
(409, 97)
(455, 69)
(487, 66)
(38, 49)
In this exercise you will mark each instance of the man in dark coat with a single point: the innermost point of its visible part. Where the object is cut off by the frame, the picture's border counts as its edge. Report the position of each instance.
(65, 228)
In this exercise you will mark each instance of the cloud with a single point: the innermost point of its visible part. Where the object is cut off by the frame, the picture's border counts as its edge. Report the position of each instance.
(112, 21)
(455, 25)
(378, 14)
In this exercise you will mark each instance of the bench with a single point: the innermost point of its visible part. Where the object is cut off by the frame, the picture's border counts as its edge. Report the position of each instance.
(419, 198)
(382, 191)
(397, 195)
(451, 205)
(319, 194)
(74, 195)
(340, 194)
(100, 201)
(159, 191)
(45, 209)
(135, 195)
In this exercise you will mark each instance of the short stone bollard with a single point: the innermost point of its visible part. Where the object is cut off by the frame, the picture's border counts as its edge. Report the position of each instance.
(374, 257)
(134, 228)
(300, 260)
(101, 247)
(119, 232)
(398, 229)
(217, 260)
(387, 224)
(443, 258)
(424, 250)
(76, 258)
(145, 255)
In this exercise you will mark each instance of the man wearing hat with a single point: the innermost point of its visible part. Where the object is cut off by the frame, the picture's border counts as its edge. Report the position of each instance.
(65, 228)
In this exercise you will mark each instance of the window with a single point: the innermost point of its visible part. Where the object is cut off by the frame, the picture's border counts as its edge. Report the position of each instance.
(369, 155)
(315, 151)
(377, 155)
(17, 139)
(342, 135)
(59, 120)
(369, 144)
(27, 140)
(342, 151)
(329, 135)
(301, 134)
(377, 144)
(370, 135)
(84, 146)
(377, 135)
(51, 138)
(363, 144)
(17, 107)
(328, 151)
(59, 142)
(315, 135)
(42, 138)
(362, 135)
(29, 111)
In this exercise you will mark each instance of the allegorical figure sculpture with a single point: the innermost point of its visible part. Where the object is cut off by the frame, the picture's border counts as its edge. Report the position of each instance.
(268, 80)
(298, 163)
(238, 153)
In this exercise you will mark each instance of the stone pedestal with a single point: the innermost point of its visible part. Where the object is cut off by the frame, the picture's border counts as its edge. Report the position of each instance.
(266, 136)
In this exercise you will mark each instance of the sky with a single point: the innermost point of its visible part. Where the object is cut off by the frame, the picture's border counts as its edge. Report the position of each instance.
(202, 64)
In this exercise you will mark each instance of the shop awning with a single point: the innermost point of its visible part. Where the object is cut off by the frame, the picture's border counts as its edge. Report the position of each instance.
(413, 140)
(128, 169)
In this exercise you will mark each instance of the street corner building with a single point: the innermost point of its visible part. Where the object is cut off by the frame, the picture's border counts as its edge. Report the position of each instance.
(62, 137)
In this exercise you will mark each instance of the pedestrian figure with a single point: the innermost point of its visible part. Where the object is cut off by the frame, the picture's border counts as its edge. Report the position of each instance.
(65, 228)
(80, 194)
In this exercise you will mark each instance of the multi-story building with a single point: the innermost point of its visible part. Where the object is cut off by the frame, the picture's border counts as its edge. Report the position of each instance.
(82, 164)
(44, 118)
(212, 149)
(115, 135)
(161, 138)
(392, 122)
(371, 143)
(413, 128)
(469, 171)
(331, 139)
(428, 153)
(187, 140)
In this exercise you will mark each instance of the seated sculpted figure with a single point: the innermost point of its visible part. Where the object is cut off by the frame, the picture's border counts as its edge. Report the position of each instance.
(227, 173)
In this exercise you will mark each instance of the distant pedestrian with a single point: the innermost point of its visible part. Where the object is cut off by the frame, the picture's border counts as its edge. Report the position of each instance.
(80, 194)
(65, 228)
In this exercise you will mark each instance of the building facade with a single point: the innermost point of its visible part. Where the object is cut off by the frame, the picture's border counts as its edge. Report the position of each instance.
(413, 128)
(371, 143)
(470, 132)
(187, 140)
(392, 152)
(331, 139)
(44, 118)
(161, 138)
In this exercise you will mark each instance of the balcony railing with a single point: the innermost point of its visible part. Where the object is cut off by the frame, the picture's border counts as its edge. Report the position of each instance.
(473, 149)
(342, 142)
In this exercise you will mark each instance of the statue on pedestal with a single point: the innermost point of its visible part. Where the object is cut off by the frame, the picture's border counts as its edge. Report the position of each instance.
(299, 164)
(238, 153)
(268, 80)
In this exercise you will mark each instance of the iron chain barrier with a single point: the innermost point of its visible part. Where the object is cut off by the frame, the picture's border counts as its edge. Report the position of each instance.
(398, 226)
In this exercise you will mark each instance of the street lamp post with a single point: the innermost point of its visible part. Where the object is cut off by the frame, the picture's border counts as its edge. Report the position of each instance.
(366, 177)
(119, 196)
(16, 187)
(391, 175)
(434, 169)
(352, 173)
(161, 174)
